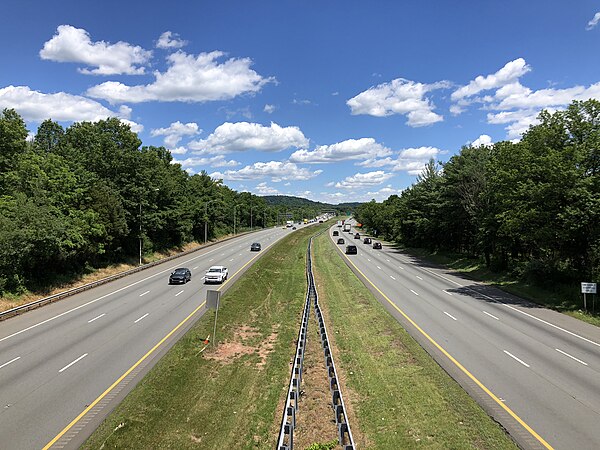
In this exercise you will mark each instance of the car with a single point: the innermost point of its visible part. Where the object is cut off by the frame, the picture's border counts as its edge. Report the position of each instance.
(351, 250)
(255, 247)
(336, 233)
(180, 276)
(357, 236)
(377, 245)
(341, 241)
(293, 228)
(366, 240)
(215, 274)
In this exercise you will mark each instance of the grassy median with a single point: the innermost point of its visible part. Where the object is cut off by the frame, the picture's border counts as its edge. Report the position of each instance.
(399, 396)
(228, 396)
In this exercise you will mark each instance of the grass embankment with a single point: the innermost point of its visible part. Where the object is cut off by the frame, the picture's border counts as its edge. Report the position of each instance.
(398, 396)
(229, 396)
(560, 297)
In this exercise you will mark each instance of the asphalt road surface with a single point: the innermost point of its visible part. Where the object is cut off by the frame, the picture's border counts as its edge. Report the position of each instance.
(534, 370)
(57, 360)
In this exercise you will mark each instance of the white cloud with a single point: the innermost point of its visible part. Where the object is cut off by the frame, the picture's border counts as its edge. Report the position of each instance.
(362, 180)
(365, 148)
(243, 136)
(399, 96)
(518, 121)
(269, 109)
(592, 23)
(511, 72)
(411, 160)
(170, 40)
(275, 170)
(483, 140)
(175, 132)
(37, 106)
(178, 151)
(189, 78)
(135, 127)
(213, 161)
(263, 189)
(71, 44)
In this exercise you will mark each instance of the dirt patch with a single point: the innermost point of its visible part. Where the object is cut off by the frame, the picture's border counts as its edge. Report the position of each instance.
(242, 344)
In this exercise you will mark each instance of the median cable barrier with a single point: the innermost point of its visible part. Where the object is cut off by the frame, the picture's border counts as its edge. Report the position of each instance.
(288, 422)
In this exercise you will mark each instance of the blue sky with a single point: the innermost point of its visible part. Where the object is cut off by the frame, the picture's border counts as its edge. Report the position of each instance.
(334, 101)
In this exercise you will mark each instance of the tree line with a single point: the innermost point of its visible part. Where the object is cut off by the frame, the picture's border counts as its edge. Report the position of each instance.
(530, 207)
(83, 197)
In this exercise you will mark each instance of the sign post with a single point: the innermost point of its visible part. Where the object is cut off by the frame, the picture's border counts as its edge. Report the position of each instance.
(213, 299)
(587, 288)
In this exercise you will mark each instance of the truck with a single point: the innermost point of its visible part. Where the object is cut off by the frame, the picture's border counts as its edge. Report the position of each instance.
(347, 227)
(289, 223)
(339, 224)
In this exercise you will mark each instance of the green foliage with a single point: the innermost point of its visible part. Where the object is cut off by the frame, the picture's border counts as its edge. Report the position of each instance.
(323, 446)
(531, 207)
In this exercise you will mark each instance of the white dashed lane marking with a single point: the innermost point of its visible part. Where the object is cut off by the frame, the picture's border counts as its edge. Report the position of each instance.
(10, 362)
(450, 315)
(71, 363)
(572, 357)
(516, 359)
(414, 292)
(141, 318)
(491, 315)
(144, 293)
(97, 317)
(179, 293)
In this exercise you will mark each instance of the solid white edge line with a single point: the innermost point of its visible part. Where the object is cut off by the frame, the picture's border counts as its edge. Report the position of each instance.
(491, 315)
(71, 363)
(97, 317)
(10, 362)
(450, 315)
(571, 356)
(144, 293)
(516, 359)
(180, 292)
(143, 317)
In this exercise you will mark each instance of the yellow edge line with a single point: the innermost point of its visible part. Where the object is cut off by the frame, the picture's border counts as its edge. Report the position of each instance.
(451, 358)
(152, 350)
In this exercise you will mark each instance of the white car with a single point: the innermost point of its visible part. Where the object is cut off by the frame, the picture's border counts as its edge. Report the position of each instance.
(216, 274)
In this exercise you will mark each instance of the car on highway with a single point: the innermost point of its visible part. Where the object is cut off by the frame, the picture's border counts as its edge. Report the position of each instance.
(293, 228)
(336, 233)
(351, 250)
(366, 240)
(357, 236)
(341, 241)
(377, 245)
(215, 274)
(255, 247)
(180, 276)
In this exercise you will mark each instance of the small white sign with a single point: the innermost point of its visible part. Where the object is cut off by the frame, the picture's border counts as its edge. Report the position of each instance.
(588, 288)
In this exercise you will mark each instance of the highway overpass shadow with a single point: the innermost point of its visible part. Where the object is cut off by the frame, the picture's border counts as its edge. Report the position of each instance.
(491, 294)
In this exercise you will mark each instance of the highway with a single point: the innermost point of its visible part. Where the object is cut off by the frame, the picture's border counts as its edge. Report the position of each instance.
(57, 360)
(536, 371)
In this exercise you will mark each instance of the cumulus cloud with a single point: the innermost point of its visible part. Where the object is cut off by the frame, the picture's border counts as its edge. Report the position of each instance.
(71, 44)
(263, 189)
(213, 161)
(511, 72)
(399, 96)
(189, 78)
(175, 132)
(411, 160)
(243, 136)
(169, 40)
(275, 170)
(269, 109)
(592, 23)
(364, 180)
(483, 140)
(351, 149)
(37, 106)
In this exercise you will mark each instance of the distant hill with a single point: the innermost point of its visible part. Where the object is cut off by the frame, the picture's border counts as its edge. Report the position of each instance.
(297, 202)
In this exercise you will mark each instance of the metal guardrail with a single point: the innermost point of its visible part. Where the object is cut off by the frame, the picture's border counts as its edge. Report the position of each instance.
(288, 422)
(42, 301)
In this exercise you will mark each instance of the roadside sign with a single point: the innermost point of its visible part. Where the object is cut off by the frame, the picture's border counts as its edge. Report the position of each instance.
(588, 288)
(212, 299)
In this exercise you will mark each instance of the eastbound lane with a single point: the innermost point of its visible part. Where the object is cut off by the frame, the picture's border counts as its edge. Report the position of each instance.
(540, 365)
(56, 360)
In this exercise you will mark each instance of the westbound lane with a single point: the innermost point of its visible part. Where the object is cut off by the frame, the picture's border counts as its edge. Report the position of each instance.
(538, 364)
(56, 360)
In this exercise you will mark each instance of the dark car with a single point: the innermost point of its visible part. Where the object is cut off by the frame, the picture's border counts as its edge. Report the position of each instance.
(351, 250)
(255, 247)
(357, 236)
(377, 245)
(180, 276)
(336, 233)
(341, 241)
(366, 240)
(293, 228)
